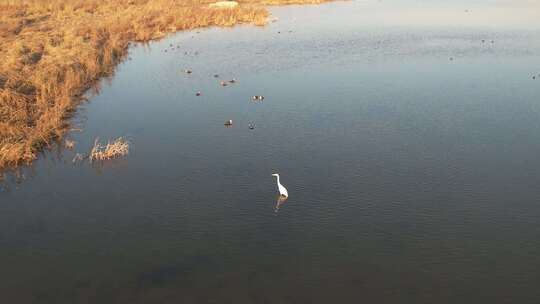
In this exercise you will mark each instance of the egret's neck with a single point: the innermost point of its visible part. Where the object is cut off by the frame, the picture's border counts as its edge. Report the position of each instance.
(277, 176)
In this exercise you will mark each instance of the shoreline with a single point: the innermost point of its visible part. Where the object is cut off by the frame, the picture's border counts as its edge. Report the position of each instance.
(54, 52)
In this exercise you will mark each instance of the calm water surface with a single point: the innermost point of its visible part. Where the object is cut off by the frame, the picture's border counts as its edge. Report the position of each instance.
(410, 149)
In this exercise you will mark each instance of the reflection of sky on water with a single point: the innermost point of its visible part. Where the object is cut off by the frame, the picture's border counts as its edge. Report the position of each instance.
(495, 14)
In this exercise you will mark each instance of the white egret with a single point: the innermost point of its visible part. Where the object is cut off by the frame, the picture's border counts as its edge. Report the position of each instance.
(282, 191)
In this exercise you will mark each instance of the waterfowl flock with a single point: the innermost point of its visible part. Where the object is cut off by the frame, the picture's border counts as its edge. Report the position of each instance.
(224, 83)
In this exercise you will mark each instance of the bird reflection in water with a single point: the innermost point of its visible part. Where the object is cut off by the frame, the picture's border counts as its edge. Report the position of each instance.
(280, 201)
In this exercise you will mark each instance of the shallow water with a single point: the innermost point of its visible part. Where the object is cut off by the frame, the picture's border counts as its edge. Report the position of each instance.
(409, 148)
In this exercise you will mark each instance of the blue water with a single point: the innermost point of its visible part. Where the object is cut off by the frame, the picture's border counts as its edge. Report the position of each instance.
(409, 148)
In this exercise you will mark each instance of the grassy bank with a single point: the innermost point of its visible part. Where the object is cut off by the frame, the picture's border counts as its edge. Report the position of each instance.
(54, 50)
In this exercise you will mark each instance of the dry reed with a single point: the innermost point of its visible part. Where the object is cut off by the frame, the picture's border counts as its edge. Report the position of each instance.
(69, 144)
(77, 158)
(114, 149)
(54, 50)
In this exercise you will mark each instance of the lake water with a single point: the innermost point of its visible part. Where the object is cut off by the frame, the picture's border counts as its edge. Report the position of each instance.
(409, 146)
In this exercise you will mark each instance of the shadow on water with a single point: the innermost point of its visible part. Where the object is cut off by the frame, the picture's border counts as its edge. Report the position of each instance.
(12, 178)
(179, 272)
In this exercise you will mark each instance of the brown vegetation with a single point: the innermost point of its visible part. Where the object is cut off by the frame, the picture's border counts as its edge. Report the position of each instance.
(117, 148)
(53, 50)
(69, 144)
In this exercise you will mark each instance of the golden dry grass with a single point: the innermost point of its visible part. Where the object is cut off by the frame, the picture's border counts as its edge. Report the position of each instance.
(114, 149)
(52, 51)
